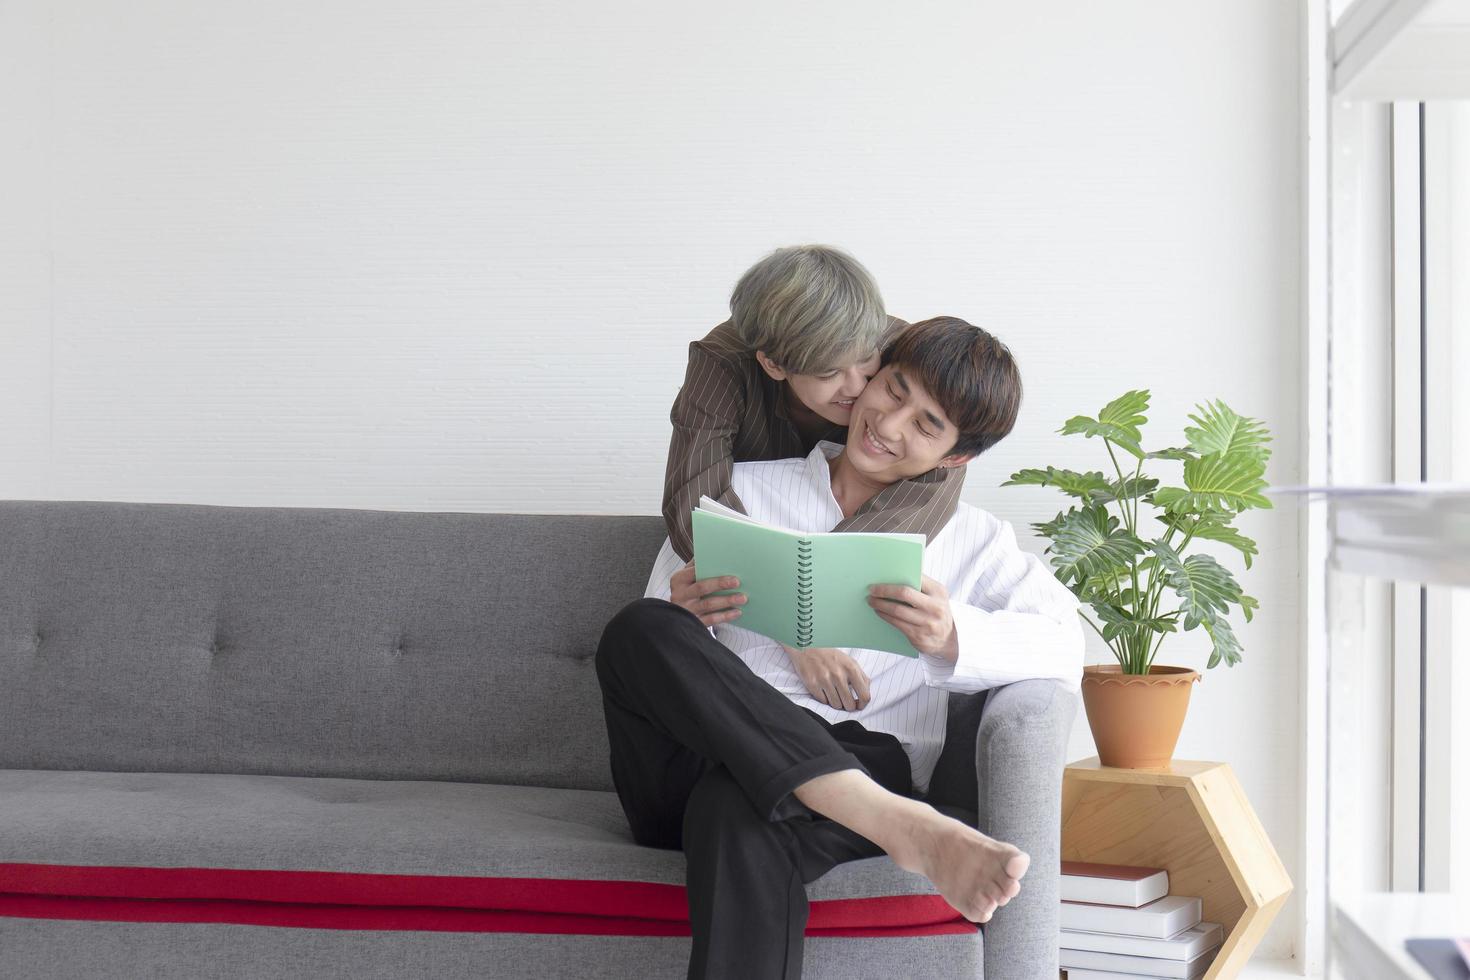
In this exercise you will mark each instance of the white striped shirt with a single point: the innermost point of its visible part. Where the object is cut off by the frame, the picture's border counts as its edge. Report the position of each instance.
(1014, 620)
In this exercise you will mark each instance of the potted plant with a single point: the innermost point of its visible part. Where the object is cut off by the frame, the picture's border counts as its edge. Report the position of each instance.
(1099, 550)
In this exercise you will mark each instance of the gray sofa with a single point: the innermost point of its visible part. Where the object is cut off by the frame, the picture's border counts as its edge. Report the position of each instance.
(307, 743)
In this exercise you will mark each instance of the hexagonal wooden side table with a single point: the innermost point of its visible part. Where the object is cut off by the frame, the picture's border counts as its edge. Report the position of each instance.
(1193, 820)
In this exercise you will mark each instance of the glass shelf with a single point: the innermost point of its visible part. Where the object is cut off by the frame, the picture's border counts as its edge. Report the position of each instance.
(1418, 532)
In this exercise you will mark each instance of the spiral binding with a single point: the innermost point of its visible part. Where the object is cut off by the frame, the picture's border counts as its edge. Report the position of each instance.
(804, 590)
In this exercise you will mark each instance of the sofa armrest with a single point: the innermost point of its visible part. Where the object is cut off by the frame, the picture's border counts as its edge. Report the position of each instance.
(1020, 752)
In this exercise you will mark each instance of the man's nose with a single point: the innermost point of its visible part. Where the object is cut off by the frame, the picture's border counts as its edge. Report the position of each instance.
(889, 427)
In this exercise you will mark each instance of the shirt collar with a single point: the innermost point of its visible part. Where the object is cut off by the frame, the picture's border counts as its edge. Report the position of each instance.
(818, 462)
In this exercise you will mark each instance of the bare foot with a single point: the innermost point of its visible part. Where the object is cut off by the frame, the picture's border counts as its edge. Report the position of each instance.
(976, 874)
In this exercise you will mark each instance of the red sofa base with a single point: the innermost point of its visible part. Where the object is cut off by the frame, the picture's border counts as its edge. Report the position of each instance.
(343, 900)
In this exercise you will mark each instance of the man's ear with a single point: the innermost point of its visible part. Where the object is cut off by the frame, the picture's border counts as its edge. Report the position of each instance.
(769, 366)
(950, 462)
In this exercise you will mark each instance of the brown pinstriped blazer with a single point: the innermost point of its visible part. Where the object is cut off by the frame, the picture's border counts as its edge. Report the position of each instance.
(729, 409)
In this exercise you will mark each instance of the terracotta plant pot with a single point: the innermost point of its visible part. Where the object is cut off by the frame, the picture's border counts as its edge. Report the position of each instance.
(1136, 718)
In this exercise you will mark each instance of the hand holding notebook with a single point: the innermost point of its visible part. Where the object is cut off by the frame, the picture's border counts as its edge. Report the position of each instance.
(713, 600)
(807, 590)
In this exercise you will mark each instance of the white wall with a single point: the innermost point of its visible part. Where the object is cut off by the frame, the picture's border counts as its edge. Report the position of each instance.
(446, 255)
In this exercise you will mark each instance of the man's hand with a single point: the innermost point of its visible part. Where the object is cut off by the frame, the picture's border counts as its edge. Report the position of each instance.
(922, 616)
(695, 596)
(831, 676)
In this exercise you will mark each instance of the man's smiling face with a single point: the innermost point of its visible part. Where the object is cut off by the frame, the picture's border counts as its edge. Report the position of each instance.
(898, 430)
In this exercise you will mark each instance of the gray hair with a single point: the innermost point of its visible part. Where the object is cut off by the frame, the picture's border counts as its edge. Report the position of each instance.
(810, 308)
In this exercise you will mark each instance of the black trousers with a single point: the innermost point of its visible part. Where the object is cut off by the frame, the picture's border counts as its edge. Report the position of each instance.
(705, 756)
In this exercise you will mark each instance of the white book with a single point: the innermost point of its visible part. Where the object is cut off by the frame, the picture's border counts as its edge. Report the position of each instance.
(1185, 946)
(1081, 964)
(1076, 974)
(1159, 919)
(1112, 884)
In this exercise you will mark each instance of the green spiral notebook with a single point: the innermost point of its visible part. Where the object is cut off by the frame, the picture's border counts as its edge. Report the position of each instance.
(807, 590)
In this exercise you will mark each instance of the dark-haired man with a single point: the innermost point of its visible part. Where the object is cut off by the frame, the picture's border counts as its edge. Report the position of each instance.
(717, 746)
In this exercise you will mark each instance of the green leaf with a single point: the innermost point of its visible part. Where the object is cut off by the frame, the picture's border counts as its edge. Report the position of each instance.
(1105, 585)
(1089, 542)
(1249, 604)
(1048, 529)
(1126, 412)
(1118, 421)
(1226, 646)
(1069, 482)
(1125, 489)
(1091, 427)
(1214, 527)
(1119, 621)
(1224, 433)
(1219, 484)
(1181, 454)
(1114, 620)
(1204, 584)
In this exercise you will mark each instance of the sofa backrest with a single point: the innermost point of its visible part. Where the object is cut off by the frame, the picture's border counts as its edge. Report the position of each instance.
(296, 641)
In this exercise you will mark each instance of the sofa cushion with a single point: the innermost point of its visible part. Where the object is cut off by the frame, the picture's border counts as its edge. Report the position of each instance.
(310, 642)
(350, 853)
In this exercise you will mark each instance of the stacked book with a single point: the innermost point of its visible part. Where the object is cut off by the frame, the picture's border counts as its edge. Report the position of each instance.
(1121, 923)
